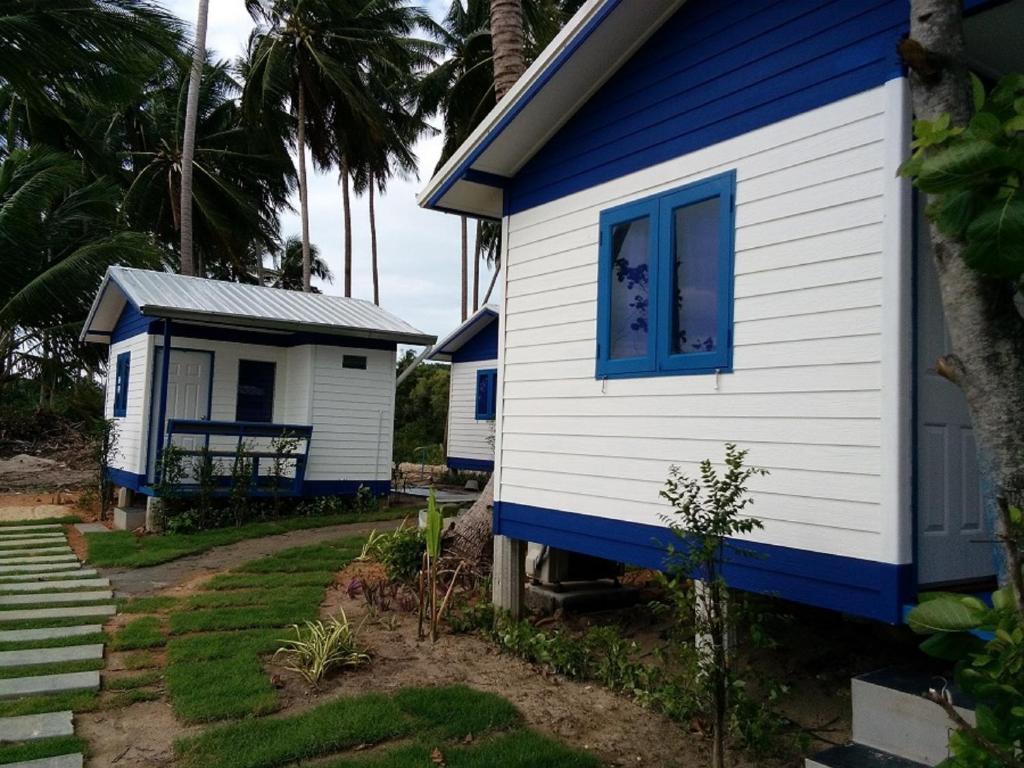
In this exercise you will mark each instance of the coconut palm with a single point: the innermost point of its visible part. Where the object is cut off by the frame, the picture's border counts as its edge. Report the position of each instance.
(507, 41)
(188, 142)
(287, 266)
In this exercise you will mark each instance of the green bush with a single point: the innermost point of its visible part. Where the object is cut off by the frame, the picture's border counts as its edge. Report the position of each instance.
(400, 552)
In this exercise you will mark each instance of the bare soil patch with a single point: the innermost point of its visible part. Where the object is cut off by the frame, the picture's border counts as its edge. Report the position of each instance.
(138, 736)
(26, 472)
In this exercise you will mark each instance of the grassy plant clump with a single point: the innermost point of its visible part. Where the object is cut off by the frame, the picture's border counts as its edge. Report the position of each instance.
(53, 642)
(82, 701)
(131, 682)
(42, 748)
(151, 604)
(400, 552)
(56, 668)
(320, 647)
(139, 633)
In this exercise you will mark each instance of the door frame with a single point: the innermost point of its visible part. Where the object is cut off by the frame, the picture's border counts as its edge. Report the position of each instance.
(154, 402)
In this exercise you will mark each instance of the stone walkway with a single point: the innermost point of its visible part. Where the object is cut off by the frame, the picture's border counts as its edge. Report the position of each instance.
(41, 581)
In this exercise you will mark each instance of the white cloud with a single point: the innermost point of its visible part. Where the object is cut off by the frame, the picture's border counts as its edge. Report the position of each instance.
(418, 250)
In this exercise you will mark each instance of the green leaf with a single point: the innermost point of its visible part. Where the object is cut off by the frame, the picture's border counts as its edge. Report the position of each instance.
(952, 646)
(1014, 124)
(986, 126)
(978, 92)
(1003, 598)
(954, 211)
(960, 164)
(943, 615)
(995, 239)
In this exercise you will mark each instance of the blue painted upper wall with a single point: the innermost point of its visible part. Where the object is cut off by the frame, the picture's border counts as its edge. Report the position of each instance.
(714, 71)
(483, 345)
(130, 323)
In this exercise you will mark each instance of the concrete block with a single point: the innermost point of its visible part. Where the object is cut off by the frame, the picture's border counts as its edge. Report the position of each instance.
(125, 497)
(581, 597)
(47, 598)
(129, 518)
(65, 612)
(32, 727)
(509, 575)
(39, 586)
(31, 656)
(38, 559)
(91, 528)
(40, 568)
(15, 687)
(61, 761)
(48, 633)
(154, 515)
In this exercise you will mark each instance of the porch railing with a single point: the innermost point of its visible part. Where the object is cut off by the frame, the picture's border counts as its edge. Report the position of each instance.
(277, 453)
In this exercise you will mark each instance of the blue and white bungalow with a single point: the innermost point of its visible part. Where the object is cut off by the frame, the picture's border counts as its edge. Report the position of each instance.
(705, 240)
(472, 350)
(209, 364)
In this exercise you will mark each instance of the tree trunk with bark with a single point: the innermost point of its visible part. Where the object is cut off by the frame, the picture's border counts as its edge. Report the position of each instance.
(465, 266)
(507, 44)
(985, 325)
(307, 266)
(188, 143)
(373, 247)
(346, 214)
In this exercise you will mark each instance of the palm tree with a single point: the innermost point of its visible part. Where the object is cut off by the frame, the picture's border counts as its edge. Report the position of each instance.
(287, 271)
(507, 35)
(188, 143)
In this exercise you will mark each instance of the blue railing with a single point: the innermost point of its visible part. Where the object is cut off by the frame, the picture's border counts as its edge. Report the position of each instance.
(284, 447)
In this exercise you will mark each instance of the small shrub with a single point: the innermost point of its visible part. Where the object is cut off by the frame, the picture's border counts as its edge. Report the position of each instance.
(322, 647)
(401, 552)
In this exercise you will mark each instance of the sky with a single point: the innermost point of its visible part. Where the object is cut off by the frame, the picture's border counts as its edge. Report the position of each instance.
(418, 250)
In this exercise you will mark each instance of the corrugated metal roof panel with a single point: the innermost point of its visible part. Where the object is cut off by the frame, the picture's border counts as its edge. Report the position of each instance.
(163, 294)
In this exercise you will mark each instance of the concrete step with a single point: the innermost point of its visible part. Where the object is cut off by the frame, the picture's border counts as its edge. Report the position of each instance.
(39, 559)
(62, 761)
(67, 612)
(890, 714)
(34, 551)
(32, 727)
(4, 529)
(858, 756)
(51, 577)
(15, 687)
(57, 597)
(61, 565)
(17, 538)
(92, 528)
(39, 586)
(32, 656)
(48, 633)
(31, 543)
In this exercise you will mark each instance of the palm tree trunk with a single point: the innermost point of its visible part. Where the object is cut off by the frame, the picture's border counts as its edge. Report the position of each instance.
(346, 210)
(476, 267)
(494, 280)
(465, 266)
(507, 44)
(373, 247)
(188, 144)
(304, 193)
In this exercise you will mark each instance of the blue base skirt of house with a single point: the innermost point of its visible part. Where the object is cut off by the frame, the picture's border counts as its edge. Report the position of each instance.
(851, 585)
(471, 465)
(310, 488)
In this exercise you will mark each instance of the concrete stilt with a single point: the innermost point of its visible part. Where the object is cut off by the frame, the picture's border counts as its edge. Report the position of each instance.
(125, 497)
(154, 514)
(509, 576)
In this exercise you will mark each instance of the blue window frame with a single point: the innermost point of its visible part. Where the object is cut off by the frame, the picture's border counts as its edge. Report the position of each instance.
(121, 371)
(255, 391)
(665, 282)
(486, 393)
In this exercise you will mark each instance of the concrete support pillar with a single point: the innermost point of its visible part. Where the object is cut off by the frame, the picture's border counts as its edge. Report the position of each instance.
(154, 514)
(509, 575)
(125, 497)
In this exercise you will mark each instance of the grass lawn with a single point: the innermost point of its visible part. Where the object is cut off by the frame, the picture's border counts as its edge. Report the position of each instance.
(36, 750)
(66, 520)
(139, 633)
(125, 549)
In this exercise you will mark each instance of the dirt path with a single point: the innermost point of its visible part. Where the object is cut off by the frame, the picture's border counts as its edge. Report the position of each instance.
(129, 582)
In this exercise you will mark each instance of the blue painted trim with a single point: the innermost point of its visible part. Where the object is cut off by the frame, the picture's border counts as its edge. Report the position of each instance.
(126, 479)
(165, 372)
(552, 68)
(344, 487)
(659, 210)
(481, 345)
(472, 465)
(860, 587)
(122, 373)
(485, 178)
(129, 324)
(242, 336)
(486, 394)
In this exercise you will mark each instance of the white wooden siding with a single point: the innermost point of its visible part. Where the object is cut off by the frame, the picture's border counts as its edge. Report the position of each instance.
(806, 392)
(130, 449)
(468, 438)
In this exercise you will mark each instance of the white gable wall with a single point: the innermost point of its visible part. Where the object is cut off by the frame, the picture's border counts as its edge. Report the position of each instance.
(130, 449)
(468, 438)
(806, 392)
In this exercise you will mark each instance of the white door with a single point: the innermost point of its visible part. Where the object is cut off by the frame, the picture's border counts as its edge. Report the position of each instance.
(188, 394)
(951, 531)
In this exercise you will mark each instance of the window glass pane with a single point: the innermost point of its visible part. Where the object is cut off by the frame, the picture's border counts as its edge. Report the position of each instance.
(629, 294)
(255, 391)
(695, 315)
(354, 361)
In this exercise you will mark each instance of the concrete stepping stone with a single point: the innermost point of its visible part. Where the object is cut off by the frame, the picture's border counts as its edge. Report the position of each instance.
(31, 527)
(57, 597)
(42, 568)
(22, 545)
(92, 528)
(14, 687)
(19, 537)
(33, 551)
(66, 612)
(48, 577)
(62, 761)
(30, 656)
(48, 633)
(39, 586)
(38, 559)
(32, 727)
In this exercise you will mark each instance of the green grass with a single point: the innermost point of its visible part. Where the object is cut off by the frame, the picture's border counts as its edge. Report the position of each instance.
(21, 546)
(139, 633)
(54, 642)
(71, 621)
(242, 597)
(35, 750)
(66, 520)
(226, 581)
(82, 701)
(57, 668)
(153, 604)
(124, 549)
(140, 660)
(245, 617)
(131, 682)
(34, 606)
(49, 590)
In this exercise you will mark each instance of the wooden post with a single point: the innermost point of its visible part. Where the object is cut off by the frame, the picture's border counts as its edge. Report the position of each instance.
(509, 575)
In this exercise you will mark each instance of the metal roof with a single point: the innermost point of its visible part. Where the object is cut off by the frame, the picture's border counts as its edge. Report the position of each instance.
(455, 340)
(200, 300)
